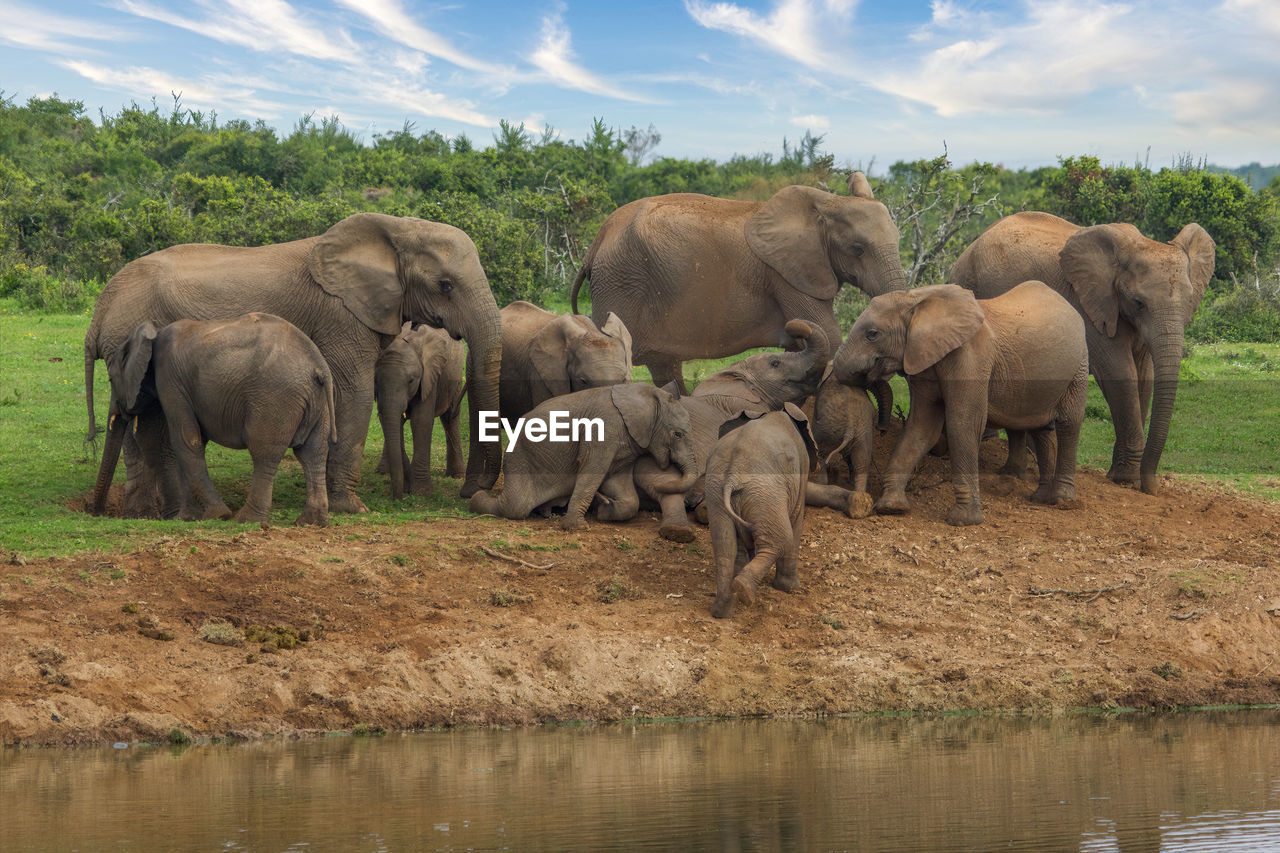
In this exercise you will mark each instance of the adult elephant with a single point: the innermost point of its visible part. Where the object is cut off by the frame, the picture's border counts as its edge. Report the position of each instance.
(693, 276)
(1137, 296)
(348, 289)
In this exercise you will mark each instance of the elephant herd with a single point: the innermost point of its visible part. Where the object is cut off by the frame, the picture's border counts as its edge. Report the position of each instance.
(290, 346)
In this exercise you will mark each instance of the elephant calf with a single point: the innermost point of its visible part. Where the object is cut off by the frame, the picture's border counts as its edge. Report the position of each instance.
(1017, 361)
(419, 377)
(844, 427)
(633, 419)
(756, 478)
(254, 382)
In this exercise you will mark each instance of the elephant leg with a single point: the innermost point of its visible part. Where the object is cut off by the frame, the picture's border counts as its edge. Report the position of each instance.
(257, 502)
(593, 467)
(141, 479)
(730, 556)
(965, 424)
(454, 465)
(384, 465)
(1119, 386)
(351, 362)
(169, 494)
(1015, 465)
(422, 422)
(1046, 444)
(621, 501)
(188, 445)
(922, 431)
(313, 454)
(665, 369)
(851, 503)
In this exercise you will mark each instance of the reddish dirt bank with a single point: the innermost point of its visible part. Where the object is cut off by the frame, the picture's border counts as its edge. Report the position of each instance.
(1122, 599)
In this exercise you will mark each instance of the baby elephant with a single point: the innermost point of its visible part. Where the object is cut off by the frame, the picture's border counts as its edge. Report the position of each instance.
(844, 427)
(756, 477)
(1017, 361)
(419, 377)
(605, 429)
(254, 382)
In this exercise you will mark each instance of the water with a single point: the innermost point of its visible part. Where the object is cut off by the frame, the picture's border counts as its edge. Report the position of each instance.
(1195, 781)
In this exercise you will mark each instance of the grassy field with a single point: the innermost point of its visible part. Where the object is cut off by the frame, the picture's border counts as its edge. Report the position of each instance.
(1224, 429)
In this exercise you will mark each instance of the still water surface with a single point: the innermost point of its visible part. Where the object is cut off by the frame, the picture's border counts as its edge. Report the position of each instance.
(1194, 781)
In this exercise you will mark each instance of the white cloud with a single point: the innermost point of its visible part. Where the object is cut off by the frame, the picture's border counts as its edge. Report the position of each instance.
(1260, 13)
(1231, 106)
(41, 30)
(794, 28)
(261, 25)
(145, 82)
(392, 21)
(812, 122)
(554, 57)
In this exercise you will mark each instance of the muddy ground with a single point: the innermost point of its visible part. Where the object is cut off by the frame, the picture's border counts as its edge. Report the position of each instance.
(1122, 599)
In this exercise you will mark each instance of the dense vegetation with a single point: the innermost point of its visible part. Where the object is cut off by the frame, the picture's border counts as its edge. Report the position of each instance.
(80, 198)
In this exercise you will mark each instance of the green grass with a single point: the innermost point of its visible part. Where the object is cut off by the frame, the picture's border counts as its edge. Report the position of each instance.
(1224, 430)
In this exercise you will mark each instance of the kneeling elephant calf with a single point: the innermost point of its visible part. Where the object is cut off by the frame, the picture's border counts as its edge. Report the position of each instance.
(756, 477)
(634, 419)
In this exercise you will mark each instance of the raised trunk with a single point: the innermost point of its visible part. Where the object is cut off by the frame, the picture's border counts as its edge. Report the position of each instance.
(107, 468)
(389, 415)
(1166, 358)
(484, 366)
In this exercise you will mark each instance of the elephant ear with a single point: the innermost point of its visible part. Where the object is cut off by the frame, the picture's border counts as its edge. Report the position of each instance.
(672, 388)
(1090, 261)
(743, 417)
(548, 355)
(858, 185)
(640, 409)
(615, 328)
(132, 361)
(1200, 249)
(786, 234)
(944, 318)
(801, 423)
(356, 262)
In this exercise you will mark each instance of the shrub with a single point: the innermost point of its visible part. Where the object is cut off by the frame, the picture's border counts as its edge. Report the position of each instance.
(37, 289)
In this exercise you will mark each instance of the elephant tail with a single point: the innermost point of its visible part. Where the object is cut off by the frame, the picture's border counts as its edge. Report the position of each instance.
(325, 380)
(747, 531)
(583, 272)
(90, 356)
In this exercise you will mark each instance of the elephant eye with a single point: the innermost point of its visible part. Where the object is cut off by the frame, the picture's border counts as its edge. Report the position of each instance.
(775, 362)
(872, 334)
(1139, 305)
(445, 285)
(858, 250)
(679, 433)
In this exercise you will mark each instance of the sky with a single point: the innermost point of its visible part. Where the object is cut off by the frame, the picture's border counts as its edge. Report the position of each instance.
(1014, 82)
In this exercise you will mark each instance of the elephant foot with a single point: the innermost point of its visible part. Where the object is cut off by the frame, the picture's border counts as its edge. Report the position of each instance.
(423, 490)
(1010, 469)
(786, 583)
(313, 516)
(744, 591)
(346, 502)
(892, 504)
(1151, 485)
(859, 506)
(457, 472)
(572, 522)
(483, 503)
(248, 516)
(964, 515)
(676, 532)
(1125, 475)
(382, 467)
(723, 607)
(1043, 495)
(700, 514)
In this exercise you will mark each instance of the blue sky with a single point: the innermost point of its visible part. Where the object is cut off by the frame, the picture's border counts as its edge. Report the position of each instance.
(1018, 82)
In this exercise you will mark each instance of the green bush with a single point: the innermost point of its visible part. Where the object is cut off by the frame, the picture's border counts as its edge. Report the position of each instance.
(36, 289)
(1242, 314)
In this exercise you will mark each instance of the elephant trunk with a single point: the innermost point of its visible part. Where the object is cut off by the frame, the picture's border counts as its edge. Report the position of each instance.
(817, 346)
(684, 459)
(484, 366)
(890, 275)
(391, 409)
(883, 392)
(107, 468)
(1166, 358)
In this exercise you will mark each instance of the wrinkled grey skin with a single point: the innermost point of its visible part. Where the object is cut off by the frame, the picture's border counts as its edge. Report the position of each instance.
(348, 290)
(760, 383)
(638, 419)
(1017, 361)
(844, 427)
(1136, 296)
(419, 377)
(546, 355)
(254, 383)
(699, 277)
(756, 477)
